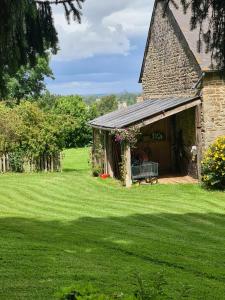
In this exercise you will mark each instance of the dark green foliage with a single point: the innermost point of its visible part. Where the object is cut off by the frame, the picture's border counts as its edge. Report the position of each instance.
(26, 31)
(97, 170)
(16, 160)
(28, 82)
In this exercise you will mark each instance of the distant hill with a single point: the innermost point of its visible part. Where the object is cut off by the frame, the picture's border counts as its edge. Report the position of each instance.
(129, 98)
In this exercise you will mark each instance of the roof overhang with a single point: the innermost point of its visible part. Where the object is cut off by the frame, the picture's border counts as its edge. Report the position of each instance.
(144, 113)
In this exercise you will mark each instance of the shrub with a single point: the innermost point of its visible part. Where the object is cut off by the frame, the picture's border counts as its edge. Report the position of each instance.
(16, 161)
(80, 133)
(28, 133)
(213, 165)
(97, 170)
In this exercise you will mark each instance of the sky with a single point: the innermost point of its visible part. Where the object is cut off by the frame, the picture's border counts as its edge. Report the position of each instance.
(104, 54)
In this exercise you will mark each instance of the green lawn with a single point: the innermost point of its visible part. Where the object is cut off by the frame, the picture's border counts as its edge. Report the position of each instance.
(65, 228)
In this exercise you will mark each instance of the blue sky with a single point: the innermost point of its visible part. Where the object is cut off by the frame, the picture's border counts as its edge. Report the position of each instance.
(104, 53)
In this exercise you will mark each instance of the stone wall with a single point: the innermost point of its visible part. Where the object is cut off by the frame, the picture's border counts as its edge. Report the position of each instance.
(170, 67)
(213, 94)
(185, 122)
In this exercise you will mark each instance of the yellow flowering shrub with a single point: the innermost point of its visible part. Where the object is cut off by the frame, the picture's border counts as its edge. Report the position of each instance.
(213, 165)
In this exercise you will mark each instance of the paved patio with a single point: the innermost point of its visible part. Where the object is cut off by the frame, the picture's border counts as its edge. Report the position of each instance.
(175, 179)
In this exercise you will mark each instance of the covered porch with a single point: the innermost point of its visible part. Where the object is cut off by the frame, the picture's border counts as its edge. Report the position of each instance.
(169, 129)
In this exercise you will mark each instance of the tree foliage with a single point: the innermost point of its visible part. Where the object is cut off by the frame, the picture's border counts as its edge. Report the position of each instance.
(104, 105)
(27, 30)
(79, 134)
(28, 82)
(29, 130)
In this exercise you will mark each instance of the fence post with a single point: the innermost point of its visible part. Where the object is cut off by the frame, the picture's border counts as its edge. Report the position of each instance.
(7, 162)
(4, 165)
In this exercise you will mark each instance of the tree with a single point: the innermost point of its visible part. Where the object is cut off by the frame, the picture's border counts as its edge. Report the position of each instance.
(47, 101)
(79, 134)
(211, 12)
(10, 128)
(105, 105)
(28, 83)
(27, 30)
(27, 130)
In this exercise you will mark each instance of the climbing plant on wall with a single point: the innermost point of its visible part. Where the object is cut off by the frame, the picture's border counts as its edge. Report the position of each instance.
(127, 136)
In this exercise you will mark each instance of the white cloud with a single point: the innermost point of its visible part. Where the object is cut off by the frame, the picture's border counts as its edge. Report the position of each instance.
(91, 41)
(133, 22)
(107, 28)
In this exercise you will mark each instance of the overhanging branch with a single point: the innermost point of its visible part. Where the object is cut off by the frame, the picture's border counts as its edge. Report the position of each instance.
(57, 1)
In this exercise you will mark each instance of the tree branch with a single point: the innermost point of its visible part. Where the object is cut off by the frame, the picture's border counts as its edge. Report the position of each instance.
(57, 1)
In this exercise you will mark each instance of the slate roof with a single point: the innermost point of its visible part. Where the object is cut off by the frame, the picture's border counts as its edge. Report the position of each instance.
(192, 36)
(138, 112)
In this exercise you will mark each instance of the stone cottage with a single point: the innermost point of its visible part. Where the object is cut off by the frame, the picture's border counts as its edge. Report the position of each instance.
(183, 107)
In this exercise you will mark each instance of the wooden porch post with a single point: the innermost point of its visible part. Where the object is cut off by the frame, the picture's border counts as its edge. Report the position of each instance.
(105, 153)
(198, 126)
(127, 158)
(110, 155)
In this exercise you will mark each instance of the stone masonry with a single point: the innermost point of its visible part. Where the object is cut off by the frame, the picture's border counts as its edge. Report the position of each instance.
(213, 94)
(170, 67)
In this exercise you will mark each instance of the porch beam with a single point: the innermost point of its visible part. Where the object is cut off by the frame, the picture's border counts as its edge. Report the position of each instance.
(102, 128)
(110, 155)
(168, 113)
(105, 153)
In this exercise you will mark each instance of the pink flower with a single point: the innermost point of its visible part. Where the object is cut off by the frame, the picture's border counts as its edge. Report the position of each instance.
(118, 138)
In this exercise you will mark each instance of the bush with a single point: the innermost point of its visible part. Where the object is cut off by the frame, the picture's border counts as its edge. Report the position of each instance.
(213, 165)
(16, 161)
(80, 133)
(28, 133)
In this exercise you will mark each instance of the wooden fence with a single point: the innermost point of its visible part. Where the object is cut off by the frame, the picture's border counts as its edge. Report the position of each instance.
(44, 163)
(4, 163)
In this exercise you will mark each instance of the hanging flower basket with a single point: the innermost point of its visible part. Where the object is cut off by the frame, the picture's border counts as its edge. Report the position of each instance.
(127, 135)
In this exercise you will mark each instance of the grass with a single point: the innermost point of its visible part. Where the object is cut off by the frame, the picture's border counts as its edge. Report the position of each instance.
(66, 228)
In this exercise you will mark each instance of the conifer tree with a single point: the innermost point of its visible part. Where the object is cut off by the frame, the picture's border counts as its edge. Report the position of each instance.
(27, 30)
